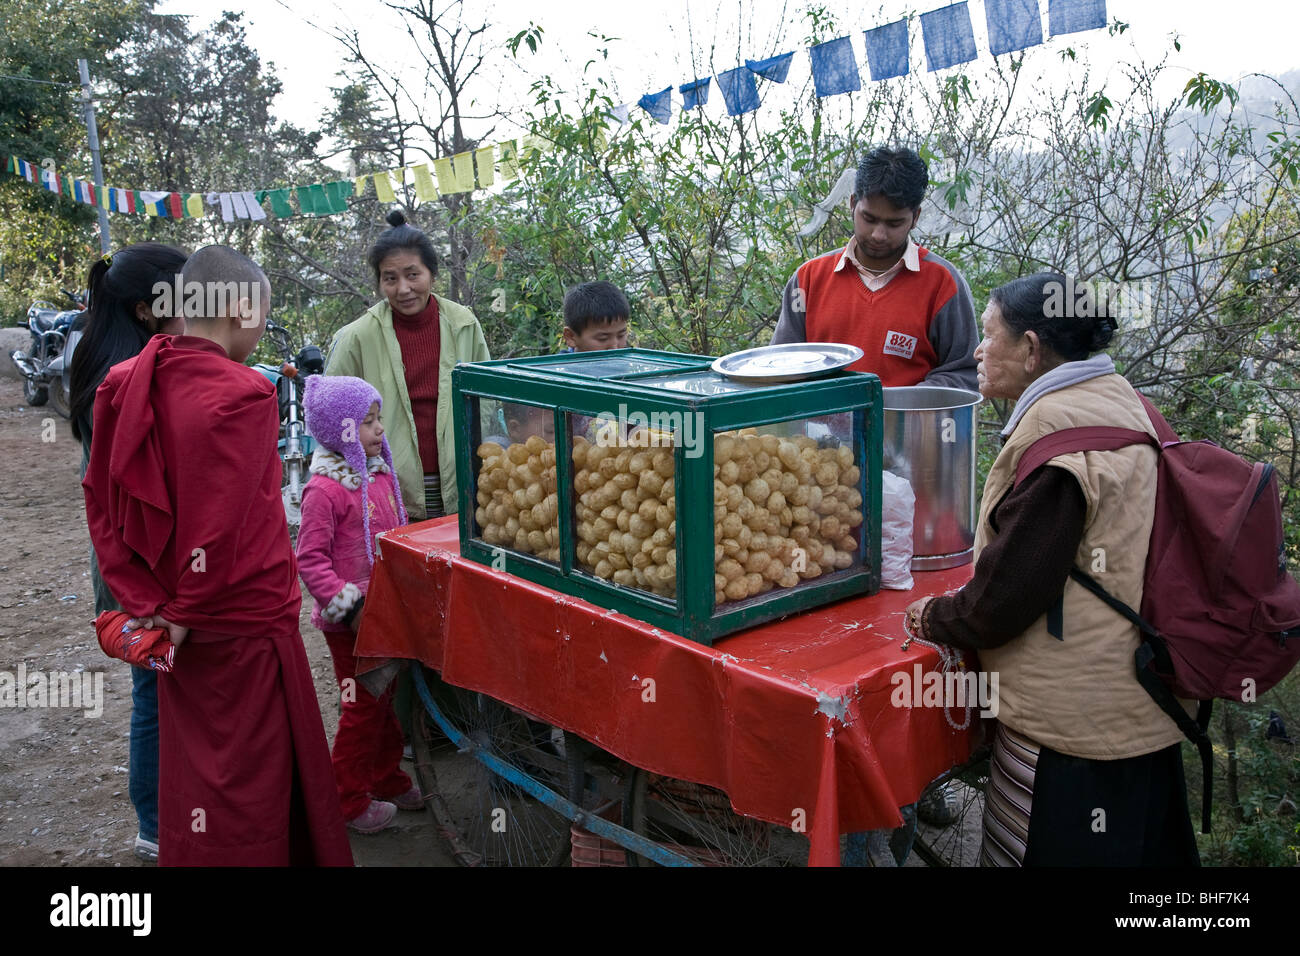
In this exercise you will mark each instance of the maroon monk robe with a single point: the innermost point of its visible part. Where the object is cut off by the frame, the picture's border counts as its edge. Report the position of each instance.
(184, 510)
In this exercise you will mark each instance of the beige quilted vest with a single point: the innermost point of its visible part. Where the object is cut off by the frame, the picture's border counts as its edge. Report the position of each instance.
(1079, 695)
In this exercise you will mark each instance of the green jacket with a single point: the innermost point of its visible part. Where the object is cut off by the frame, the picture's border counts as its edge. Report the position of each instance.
(367, 348)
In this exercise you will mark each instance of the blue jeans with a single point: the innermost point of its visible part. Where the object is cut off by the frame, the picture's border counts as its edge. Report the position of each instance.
(859, 847)
(142, 781)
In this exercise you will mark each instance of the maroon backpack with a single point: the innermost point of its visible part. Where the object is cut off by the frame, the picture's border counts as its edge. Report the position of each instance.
(1220, 615)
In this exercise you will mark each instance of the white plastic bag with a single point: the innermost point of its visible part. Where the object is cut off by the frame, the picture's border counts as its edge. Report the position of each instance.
(898, 507)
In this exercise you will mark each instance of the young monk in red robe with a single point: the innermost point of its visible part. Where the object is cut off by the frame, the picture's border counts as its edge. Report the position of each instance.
(184, 509)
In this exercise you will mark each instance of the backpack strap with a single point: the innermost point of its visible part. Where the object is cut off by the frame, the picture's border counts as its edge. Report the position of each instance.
(1154, 651)
(1068, 440)
(1163, 431)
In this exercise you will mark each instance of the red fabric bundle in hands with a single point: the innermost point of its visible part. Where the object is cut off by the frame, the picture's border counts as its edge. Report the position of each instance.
(149, 648)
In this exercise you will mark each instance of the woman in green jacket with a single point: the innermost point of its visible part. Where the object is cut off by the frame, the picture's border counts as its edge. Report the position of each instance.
(406, 346)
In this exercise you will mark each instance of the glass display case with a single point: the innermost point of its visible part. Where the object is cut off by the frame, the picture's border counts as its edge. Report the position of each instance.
(647, 483)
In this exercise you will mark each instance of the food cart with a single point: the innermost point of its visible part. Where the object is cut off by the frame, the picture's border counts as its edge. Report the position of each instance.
(566, 713)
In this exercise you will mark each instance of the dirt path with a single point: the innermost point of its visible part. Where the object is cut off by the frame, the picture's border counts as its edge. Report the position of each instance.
(63, 779)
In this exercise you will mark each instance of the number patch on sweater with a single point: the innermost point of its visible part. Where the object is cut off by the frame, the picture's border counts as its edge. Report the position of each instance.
(896, 343)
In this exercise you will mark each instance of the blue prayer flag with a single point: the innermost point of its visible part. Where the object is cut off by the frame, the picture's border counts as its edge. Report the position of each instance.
(887, 50)
(659, 105)
(949, 39)
(739, 91)
(833, 67)
(1074, 16)
(695, 94)
(1013, 25)
(774, 68)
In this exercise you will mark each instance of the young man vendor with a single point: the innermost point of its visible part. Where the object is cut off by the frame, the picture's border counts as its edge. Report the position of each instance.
(909, 310)
(911, 313)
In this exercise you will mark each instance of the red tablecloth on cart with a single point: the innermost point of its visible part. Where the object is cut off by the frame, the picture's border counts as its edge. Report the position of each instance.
(793, 719)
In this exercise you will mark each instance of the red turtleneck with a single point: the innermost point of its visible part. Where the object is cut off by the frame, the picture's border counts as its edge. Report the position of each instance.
(420, 340)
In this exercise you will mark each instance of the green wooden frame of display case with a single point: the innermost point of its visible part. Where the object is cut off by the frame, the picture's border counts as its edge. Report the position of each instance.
(693, 614)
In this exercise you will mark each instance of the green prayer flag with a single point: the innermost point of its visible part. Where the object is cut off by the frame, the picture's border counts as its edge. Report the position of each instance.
(280, 207)
(307, 198)
(336, 195)
(320, 203)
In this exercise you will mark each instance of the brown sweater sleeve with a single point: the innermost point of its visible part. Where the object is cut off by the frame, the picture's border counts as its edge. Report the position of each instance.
(1020, 573)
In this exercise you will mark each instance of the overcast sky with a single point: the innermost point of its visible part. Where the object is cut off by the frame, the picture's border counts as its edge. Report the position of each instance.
(665, 42)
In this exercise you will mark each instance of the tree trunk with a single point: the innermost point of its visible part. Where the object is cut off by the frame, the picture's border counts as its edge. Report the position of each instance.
(1230, 778)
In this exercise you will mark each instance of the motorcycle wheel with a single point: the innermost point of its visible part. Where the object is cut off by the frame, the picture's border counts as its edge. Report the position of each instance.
(60, 400)
(33, 394)
(292, 510)
(291, 493)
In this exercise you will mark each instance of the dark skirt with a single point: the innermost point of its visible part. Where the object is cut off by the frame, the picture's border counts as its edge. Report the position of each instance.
(1046, 808)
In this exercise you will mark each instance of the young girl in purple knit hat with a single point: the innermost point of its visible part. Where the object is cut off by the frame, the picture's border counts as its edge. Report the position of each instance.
(351, 497)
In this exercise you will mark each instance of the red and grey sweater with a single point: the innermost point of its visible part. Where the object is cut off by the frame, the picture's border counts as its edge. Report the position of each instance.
(920, 327)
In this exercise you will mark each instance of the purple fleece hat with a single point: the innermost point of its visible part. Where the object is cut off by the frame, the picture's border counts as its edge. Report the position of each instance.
(337, 404)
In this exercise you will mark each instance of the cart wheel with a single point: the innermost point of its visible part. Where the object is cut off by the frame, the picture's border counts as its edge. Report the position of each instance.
(486, 819)
(956, 843)
(698, 823)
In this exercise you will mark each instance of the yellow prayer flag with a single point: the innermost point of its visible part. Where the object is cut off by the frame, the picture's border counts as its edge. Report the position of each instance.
(194, 205)
(446, 176)
(463, 163)
(534, 144)
(425, 190)
(509, 159)
(486, 159)
(360, 186)
(384, 188)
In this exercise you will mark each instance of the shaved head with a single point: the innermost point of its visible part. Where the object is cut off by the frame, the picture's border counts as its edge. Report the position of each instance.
(225, 276)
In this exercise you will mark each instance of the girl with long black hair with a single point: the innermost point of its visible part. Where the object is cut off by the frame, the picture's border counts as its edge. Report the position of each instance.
(123, 316)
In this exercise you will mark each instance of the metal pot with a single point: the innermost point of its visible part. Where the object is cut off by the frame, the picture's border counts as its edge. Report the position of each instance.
(930, 440)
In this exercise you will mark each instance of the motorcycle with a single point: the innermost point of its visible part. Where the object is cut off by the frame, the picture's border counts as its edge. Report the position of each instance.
(45, 366)
(296, 446)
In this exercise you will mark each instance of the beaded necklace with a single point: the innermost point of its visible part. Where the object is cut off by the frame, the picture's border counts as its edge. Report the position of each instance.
(950, 660)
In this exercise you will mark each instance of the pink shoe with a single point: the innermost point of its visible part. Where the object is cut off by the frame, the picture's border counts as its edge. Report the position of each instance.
(376, 817)
(413, 799)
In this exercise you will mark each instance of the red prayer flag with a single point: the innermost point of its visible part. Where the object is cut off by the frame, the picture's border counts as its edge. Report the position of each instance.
(174, 205)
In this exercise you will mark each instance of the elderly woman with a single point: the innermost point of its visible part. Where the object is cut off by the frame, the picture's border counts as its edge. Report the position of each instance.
(1086, 768)
(406, 347)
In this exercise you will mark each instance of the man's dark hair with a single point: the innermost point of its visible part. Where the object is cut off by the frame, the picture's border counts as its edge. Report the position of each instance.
(900, 175)
(218, 266)
(594, 301)
(1067, 316)
(402, 237)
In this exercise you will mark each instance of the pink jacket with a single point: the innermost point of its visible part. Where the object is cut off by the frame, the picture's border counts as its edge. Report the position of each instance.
(331, 547)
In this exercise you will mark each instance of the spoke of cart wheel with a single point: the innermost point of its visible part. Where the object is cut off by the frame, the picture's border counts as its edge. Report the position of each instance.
(488, 819)
(958, 843)
(474, 785)
(698, 822)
